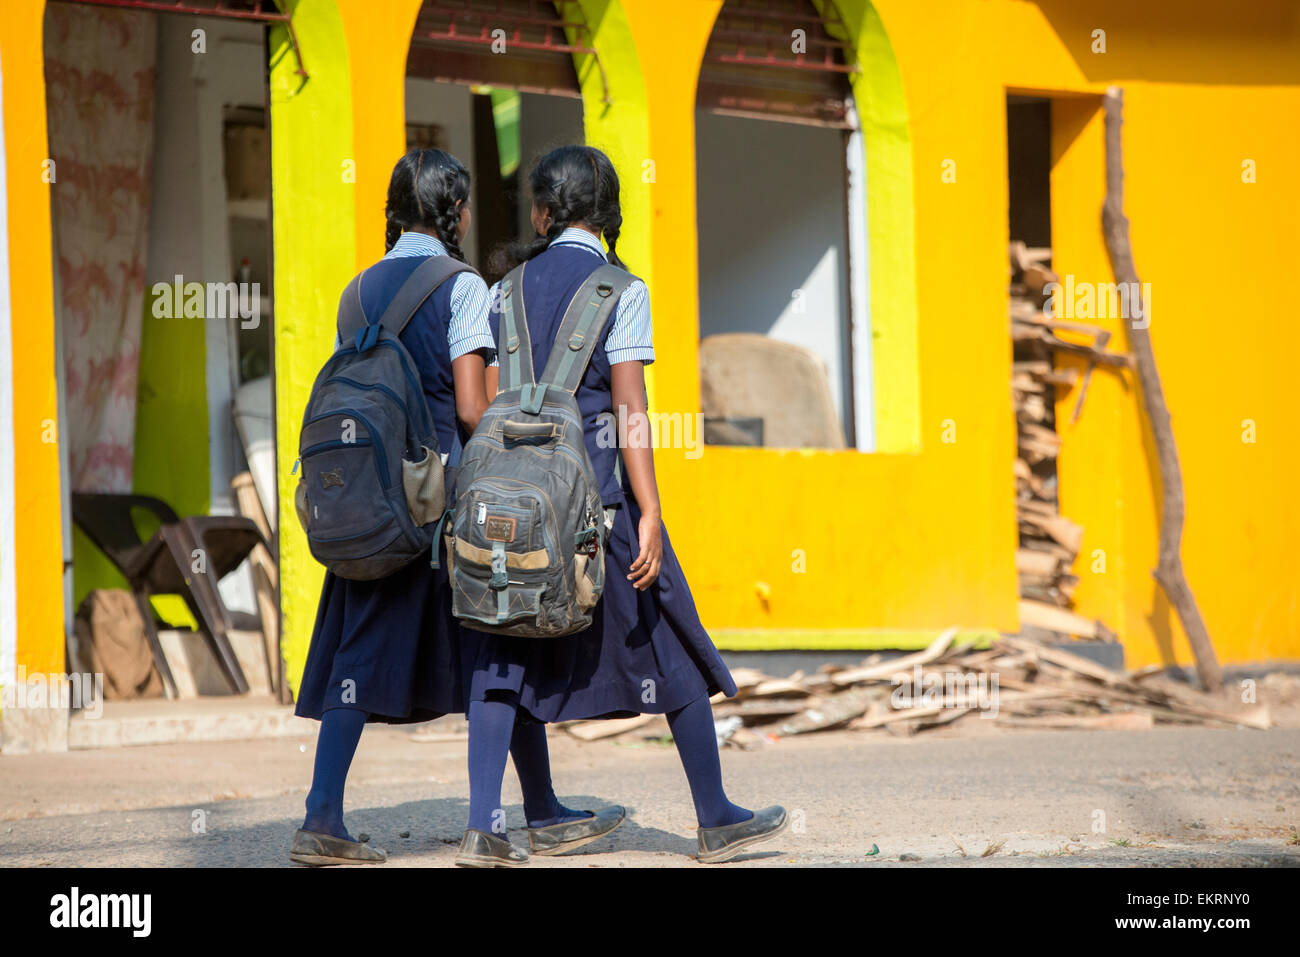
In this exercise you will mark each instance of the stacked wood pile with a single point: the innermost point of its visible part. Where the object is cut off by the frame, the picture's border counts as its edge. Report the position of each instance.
(1049, 541)
(1018, 682)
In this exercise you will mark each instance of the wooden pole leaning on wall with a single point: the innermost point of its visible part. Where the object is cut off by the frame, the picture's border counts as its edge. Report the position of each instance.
(1169, 566)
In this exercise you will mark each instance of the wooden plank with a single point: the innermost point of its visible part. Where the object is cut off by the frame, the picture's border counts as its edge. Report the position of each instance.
(777, 688)
(1041, 515)
(886, 669)
(1052, 618)
(833, 711)
(1066, 659)
(762, 707)
(903, 714)
(607, 728)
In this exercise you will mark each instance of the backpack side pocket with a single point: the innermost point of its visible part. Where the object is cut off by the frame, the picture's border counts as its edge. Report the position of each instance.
(425, 487)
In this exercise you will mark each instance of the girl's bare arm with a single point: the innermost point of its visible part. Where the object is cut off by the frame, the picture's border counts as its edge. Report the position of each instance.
(628, 391)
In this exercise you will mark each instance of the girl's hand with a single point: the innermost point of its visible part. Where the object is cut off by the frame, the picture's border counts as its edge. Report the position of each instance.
(646, 567)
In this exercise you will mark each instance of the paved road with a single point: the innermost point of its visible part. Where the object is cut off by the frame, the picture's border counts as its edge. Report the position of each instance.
(1171, 796)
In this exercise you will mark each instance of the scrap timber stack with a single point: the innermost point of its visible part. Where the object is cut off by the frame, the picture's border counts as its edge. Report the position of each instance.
(1017, 682)
(1049, 541)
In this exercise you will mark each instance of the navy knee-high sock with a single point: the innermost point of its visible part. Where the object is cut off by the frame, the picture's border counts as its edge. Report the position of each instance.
(340, 730)
(491, 724)
(697, 745)
(533, 765)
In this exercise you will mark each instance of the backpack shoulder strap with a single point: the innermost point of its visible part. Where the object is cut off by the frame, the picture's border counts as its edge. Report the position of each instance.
(351, 316)
(514, 350)
(582, 325)
(419, 286)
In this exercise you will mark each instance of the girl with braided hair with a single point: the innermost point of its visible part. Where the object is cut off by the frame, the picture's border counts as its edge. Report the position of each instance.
(646, 651)
(389, 650)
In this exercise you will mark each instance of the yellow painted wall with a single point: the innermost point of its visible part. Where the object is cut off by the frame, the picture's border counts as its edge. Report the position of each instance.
(1206, 86)
(892, 544)
(916, 541)
(899, 543)
(1226, 91)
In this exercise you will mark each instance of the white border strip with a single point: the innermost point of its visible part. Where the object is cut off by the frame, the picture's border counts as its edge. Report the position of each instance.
(859, 255)
(8, 550)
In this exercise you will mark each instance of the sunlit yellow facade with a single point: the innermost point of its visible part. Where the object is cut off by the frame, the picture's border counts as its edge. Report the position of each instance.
(843, 549)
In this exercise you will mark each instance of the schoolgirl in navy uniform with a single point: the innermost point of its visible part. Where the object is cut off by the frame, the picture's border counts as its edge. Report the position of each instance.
(646, 651)
(389, 650)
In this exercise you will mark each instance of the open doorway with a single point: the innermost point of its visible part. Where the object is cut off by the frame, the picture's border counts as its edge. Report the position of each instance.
(1049, 542)
(160, 185)
(496, 114)
(776, 139)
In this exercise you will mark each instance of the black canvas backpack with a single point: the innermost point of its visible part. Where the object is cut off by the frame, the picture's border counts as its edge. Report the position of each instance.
(372, 491)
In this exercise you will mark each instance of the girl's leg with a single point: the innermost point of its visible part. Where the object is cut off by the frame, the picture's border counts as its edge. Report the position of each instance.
(533, 765)
(491, 724)
(340, 730)
(697, 745)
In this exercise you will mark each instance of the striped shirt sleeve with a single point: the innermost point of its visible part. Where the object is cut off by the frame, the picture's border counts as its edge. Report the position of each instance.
(468, 329)
(630, 335)
(493, 297)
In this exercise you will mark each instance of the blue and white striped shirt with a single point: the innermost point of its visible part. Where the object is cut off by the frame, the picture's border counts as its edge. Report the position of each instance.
(468, 329)
(630, 334)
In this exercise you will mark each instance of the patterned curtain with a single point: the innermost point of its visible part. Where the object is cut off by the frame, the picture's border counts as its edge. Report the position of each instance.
(99, 73)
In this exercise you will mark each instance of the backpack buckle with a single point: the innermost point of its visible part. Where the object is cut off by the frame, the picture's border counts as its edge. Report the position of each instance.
(499, 578)
(604, 289)
(576, 340)
(512, 344)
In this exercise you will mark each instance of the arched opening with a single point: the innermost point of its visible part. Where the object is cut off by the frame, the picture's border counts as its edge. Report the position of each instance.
(494, 83)
(779, 179)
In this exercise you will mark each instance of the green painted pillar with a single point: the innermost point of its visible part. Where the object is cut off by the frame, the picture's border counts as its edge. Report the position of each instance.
(314, 242)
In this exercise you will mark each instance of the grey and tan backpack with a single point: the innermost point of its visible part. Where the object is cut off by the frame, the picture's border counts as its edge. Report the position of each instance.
(372, 492)
(527, 549)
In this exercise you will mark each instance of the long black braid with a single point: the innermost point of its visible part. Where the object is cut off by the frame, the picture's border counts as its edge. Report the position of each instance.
(428, 188)
(575, 184)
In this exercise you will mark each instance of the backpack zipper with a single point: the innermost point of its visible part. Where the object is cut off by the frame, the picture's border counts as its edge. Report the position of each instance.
(380, 456)
(411, 379)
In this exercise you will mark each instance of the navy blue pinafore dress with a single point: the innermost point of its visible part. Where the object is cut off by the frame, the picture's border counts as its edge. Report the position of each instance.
(395, 639)
(646, 652)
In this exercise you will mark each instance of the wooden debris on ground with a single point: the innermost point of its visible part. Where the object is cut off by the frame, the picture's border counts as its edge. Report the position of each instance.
(1017, 682)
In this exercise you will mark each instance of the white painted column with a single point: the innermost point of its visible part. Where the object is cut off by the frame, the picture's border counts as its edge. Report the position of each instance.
(864, 414)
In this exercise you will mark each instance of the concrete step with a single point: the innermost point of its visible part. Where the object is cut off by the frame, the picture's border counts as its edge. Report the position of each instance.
(157, 721)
